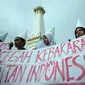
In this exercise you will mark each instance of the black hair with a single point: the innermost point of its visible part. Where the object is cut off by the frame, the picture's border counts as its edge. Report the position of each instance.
(80, 28)
(1, 41)
(44, 37)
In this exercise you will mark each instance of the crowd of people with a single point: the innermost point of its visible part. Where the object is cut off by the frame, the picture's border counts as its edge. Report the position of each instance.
(48, 37)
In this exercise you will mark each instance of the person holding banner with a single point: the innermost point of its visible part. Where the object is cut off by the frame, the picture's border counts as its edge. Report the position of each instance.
(80, 30)
(48, 37)
(19, 41)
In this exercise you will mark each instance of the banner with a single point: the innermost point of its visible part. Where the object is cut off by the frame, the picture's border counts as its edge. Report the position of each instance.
(62, 64)
(4, 46)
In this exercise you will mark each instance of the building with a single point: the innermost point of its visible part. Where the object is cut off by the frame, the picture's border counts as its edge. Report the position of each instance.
(38, 29)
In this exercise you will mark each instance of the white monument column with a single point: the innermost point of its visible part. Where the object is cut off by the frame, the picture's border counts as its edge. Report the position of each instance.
(38, 28)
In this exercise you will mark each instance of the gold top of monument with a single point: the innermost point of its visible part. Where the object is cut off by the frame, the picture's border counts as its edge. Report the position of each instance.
(39, 8)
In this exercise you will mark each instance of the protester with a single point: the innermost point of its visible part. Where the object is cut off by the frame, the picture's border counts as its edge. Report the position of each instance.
(19, 41)
(48, 37)
(80, 30)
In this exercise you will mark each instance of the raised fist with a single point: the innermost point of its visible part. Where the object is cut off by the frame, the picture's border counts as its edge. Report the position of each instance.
(10, 45)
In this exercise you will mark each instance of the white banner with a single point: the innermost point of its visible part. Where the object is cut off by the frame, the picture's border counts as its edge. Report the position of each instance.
(62, 64)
